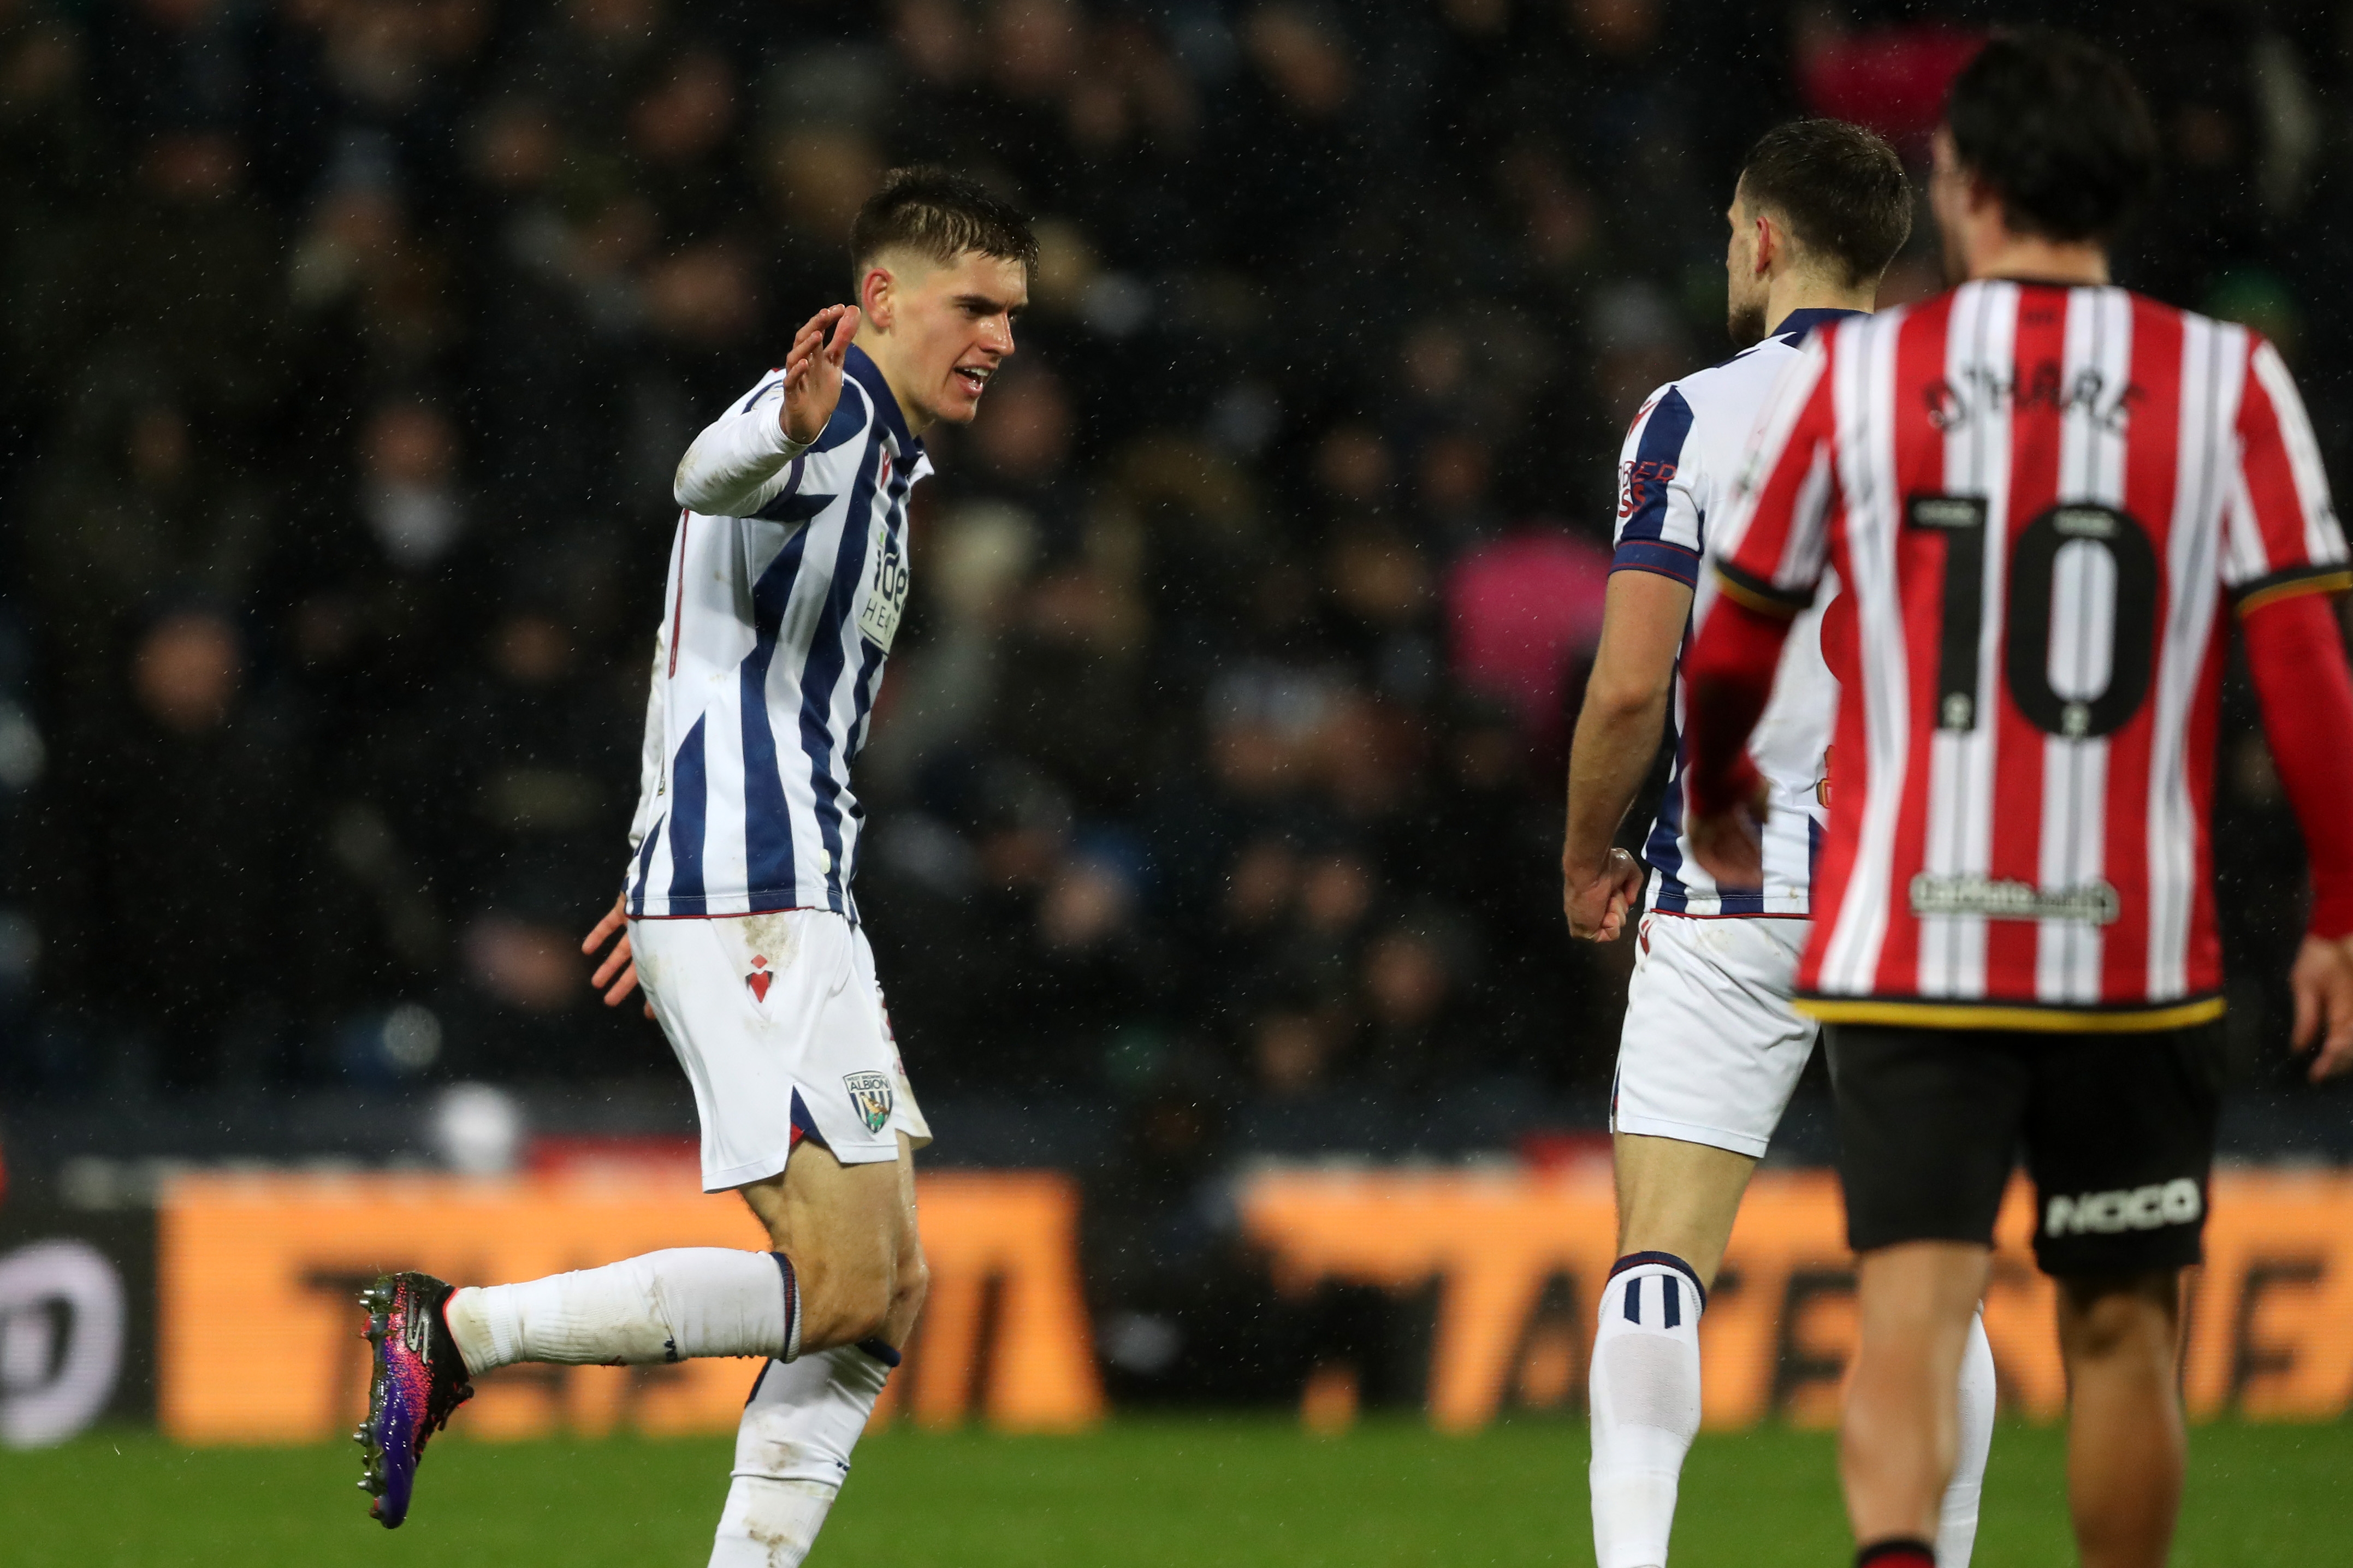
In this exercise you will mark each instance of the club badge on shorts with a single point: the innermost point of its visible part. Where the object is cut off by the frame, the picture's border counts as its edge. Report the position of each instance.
(759, 980)
(870, 1096)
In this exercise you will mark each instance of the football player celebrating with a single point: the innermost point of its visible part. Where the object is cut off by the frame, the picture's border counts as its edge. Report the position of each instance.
(1712, 1045)
(788, 578)
(2045, 498)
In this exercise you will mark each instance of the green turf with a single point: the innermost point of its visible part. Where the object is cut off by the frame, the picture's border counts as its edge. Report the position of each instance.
(1139, 1494)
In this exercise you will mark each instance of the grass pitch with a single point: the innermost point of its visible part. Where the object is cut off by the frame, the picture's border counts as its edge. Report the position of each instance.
(1199, 1493)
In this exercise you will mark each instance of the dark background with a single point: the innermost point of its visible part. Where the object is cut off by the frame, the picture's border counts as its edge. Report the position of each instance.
(349, 345)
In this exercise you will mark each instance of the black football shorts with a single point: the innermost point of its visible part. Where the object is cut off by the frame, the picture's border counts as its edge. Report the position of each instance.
(2117, 1130)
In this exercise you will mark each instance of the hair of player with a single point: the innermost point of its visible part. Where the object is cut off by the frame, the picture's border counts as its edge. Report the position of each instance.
(2055, 126)
(938, 212)
(1841, 190)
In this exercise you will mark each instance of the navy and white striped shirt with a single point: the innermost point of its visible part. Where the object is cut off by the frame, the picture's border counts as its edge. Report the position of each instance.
(787, 582)
(1681, 461)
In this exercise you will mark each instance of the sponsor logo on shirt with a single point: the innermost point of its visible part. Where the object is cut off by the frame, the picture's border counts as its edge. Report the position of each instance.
(1634, 482)
(886, 599)
(2000, 899)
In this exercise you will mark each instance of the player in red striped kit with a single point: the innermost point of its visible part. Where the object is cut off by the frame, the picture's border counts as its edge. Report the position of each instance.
(2046, 499)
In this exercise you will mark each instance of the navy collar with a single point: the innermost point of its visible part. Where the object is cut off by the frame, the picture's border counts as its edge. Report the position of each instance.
(1797, 323)
(861, 368)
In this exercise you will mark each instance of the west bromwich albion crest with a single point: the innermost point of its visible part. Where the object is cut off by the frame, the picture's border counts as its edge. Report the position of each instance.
(870, 1096)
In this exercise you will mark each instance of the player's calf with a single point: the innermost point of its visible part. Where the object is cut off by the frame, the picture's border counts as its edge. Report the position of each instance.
(2120, 1334)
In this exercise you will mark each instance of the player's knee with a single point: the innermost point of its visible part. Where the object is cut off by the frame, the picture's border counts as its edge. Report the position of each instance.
(844, 1300)
(2119, 1315)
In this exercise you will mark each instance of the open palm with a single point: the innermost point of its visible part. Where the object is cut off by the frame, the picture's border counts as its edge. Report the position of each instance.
(813, 372)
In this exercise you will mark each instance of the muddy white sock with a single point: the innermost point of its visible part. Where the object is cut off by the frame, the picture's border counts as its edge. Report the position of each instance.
(1957, 1524)
(792, 1452)
(769, 1523)
(1643, 1392)
(661, 1307)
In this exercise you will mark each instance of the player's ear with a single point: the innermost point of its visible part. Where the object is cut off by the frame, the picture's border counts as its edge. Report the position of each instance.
(875, 301)
(1769, 242)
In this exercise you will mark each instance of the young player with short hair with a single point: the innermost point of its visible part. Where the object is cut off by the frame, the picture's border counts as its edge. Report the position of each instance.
(2043, 497)
(788, 578)
(1711, 1046)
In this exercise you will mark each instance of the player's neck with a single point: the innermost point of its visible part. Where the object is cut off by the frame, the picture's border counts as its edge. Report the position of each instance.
(1806, 291)
(2031, 258)
(878, 348)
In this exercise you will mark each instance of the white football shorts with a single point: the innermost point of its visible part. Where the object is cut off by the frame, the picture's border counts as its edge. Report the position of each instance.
(1711, 1048)
(781, 1028)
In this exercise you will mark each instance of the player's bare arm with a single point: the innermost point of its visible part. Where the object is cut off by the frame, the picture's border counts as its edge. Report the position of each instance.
(1618, 732)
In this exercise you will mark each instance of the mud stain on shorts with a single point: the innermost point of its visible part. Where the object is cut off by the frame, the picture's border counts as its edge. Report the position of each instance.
(774, 936)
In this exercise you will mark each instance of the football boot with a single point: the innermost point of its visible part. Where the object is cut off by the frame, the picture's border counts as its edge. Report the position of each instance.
(416, 1379)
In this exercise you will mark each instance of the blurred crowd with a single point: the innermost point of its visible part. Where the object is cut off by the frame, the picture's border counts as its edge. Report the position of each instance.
(351, 344)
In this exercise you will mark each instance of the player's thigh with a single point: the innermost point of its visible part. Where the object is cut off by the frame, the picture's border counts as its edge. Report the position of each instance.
(2120, 1142)
(1711, 1048)
(1929, 1122)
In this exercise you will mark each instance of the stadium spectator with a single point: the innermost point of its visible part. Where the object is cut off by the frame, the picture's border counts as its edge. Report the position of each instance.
(179, 852)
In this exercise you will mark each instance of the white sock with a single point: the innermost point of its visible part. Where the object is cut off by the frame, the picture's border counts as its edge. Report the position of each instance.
(769, 1523)
(661, 1306)
(1957, 1525)
(1643, 1392)
(792, 1452)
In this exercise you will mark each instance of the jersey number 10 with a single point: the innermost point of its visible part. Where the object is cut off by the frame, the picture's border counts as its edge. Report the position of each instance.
(2108, 543)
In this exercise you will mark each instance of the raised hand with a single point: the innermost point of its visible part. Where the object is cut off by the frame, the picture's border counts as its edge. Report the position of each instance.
(813, 372)
(617, 977)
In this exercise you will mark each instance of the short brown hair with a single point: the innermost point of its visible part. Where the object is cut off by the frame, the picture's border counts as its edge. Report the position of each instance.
(940, 214)
(1841, 187)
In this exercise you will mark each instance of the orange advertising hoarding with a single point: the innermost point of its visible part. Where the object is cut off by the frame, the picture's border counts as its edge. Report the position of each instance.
(259, 1338)
(1519, 1258)
(258, 1331)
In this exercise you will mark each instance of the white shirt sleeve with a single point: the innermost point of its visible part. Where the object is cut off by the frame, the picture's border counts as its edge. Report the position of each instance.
(1661, 504)
(741, 459)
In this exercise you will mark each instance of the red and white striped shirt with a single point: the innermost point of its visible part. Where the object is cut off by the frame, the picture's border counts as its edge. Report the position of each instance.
(2040, 499)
